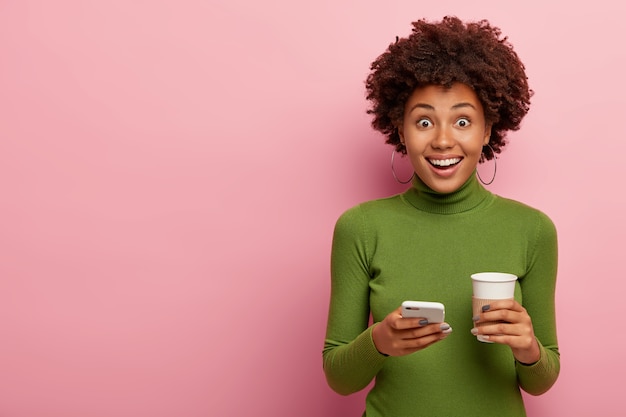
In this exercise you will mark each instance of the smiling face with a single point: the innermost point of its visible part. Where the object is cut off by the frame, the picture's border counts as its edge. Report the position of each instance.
(444, 131)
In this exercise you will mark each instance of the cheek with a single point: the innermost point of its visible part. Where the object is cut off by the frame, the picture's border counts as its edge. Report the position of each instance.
(475, 146)
(414, 152)
(417, 144)
(478, 150)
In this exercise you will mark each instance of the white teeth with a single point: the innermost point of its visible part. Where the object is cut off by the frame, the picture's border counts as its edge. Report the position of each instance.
(445, 162)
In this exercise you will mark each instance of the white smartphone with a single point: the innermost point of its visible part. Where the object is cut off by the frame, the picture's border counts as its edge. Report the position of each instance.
(432, 311)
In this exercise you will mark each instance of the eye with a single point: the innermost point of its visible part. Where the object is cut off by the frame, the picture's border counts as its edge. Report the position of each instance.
(424, 123)
(463, 122)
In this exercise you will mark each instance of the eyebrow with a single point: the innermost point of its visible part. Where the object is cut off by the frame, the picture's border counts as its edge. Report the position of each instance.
(429, 107)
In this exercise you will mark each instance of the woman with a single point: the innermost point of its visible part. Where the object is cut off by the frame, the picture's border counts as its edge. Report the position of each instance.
(445, 96)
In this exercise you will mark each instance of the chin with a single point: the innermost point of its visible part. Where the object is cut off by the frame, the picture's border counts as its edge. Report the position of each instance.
(446, 190)
(446, 186)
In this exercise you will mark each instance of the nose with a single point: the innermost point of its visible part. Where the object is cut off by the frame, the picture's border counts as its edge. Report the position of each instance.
(443, 138)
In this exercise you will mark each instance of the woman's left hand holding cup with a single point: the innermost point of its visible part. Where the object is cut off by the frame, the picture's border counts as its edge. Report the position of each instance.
(512, 326)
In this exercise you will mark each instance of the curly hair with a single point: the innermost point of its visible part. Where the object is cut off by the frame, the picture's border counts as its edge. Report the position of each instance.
(444, 53)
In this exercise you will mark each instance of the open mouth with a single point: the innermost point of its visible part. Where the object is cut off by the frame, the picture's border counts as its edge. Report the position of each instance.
(444, 163)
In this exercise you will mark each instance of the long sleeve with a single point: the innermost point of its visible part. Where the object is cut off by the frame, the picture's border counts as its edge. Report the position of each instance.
(350, 358)
(538, 289)
(424, 246)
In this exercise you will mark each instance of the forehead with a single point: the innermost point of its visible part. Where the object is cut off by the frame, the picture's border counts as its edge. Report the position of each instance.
(439, 97)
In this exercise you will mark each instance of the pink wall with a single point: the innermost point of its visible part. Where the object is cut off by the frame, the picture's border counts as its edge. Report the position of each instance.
(171, 171)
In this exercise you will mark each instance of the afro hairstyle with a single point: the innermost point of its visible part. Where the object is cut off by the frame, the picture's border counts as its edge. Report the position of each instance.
(444, 53)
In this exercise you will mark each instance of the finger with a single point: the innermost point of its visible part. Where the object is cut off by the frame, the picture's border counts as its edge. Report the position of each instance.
(500, 315)
(407, 323)
(397, 322)
(411, 323)
(436, 329)
(413, 345)
(514, 341)
(503, 305)
(500, 328)
(510, 316)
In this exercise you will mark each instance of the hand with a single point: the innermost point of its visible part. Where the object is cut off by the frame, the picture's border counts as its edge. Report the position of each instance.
(513, 327)
(399, 336)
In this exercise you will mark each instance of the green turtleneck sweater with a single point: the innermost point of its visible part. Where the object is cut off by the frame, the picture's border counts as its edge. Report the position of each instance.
(421, 245)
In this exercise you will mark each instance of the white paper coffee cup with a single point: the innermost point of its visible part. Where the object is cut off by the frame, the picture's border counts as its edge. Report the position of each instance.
(489, 287)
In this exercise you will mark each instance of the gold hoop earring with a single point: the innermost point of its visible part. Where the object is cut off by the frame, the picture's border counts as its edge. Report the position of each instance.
(495, 167)
(393, 171)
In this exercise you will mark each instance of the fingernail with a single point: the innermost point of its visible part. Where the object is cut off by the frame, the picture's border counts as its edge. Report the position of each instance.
(447, 331)
(445, 326)
(474, 331)
(423, 322)
(475, 318)
(487, 307)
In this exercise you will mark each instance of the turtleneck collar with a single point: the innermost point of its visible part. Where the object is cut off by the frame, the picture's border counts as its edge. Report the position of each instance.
(470, 195)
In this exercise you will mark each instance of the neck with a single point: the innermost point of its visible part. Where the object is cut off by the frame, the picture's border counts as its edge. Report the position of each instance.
(465, 198)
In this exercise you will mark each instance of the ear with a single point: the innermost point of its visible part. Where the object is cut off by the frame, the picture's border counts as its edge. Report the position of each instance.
(400, 129)
(487, 134)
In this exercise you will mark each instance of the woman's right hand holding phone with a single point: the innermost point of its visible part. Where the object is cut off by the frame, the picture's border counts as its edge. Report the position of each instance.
(399, 336)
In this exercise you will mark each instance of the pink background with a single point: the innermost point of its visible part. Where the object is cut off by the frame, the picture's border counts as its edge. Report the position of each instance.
(171, 172)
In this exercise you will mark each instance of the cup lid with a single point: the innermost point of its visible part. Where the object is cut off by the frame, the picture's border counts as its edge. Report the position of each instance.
(493, 277)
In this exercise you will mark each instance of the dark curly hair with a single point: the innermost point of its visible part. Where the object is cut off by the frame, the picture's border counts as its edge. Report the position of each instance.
(444, 53)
